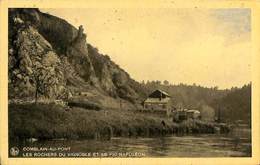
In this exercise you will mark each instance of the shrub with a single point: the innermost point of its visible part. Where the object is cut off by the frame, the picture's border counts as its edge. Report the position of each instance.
(86, 105)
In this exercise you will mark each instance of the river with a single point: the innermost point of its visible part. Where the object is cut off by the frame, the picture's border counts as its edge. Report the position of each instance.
(237, 144)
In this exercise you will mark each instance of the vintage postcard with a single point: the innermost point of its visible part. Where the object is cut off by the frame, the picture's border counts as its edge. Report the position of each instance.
(152, 82)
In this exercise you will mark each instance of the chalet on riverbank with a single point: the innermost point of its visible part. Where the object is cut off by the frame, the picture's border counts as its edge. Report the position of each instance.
(158, 101)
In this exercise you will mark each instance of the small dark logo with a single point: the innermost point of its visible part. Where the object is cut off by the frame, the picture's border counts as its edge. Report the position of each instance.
(14, 151)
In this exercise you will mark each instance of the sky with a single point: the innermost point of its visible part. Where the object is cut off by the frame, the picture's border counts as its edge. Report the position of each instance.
(208, 47)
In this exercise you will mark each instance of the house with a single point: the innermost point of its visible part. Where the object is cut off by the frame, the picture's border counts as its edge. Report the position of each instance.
(179, 115)
(184, 114)
(158, 101)
(194, 114)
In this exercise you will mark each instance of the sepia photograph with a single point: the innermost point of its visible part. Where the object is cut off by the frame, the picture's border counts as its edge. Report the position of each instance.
(149, 82)
(88, 82)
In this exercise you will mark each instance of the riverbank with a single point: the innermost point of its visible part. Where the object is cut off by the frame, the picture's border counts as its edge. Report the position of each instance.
(51, 121)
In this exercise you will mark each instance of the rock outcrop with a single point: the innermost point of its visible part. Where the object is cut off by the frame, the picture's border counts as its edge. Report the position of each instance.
(49, 58)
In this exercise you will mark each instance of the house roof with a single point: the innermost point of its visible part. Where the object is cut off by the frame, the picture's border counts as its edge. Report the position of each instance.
(164, 92)
(193, 111)
(157, 100)
(158, 92)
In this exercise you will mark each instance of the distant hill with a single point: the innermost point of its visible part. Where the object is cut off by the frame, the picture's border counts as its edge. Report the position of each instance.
(187, 96)
(234, 104)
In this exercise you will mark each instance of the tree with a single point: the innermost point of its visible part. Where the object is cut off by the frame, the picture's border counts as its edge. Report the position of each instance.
(207, 113)
(158, 82)
(165, 82)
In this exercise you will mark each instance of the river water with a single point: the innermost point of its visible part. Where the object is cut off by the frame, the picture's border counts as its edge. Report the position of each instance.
(206, 145)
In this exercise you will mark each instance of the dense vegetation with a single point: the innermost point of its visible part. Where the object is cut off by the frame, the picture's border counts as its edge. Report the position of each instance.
(236, 105)
(49, 121)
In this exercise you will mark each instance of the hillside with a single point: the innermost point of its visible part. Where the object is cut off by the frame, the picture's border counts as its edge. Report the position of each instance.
(236, 105)
(50, 59)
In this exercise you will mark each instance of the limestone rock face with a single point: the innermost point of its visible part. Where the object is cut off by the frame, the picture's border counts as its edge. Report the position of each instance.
(112, 78)
(77, 53)
(34, 68)
(50, 58)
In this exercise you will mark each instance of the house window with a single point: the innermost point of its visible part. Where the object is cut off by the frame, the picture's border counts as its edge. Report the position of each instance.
(164, 106)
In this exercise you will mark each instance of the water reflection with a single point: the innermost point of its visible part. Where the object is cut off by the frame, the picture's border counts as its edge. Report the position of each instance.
(173, 146)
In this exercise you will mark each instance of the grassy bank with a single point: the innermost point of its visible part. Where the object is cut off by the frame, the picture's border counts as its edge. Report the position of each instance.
(53, 121)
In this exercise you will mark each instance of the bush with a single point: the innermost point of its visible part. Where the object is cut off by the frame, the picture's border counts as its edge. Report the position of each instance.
(86, 105)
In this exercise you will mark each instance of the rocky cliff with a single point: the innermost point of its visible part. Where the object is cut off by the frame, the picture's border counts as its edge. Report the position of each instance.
(51, 59)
